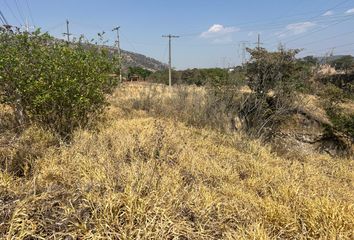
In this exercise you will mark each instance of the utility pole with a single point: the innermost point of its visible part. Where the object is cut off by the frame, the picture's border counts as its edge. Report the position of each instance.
(67, 30)
(281, 46)
(258, 43)
(27, 26)
(170, 58)
(243, 45)
(119, 53)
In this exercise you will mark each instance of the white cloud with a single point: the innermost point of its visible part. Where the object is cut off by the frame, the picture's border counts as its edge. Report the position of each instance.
(350, 11)
(297, 28)
(328, 13)
(218, 30)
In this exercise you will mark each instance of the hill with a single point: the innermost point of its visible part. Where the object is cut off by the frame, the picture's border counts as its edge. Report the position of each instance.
(131, 59)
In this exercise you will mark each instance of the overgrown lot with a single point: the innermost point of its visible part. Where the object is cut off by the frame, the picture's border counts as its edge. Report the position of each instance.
(151, 177)
(160, 163)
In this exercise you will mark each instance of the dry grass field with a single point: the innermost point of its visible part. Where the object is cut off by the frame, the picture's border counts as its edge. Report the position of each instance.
(143, 174)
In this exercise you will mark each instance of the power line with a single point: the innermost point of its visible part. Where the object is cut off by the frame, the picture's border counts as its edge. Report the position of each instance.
(330, 48)
(55, 27)
(20, 12)
(129, 42)
(89, 25)
(274, 26)
(329, 9)
(272, 22)
(12, 12)
(30, 12)
(329, 38)
(318, 30)
(347, 51)
(3, 19)
(329, 21)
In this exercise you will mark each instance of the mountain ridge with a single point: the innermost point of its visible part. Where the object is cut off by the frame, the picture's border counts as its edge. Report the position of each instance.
(133, 59)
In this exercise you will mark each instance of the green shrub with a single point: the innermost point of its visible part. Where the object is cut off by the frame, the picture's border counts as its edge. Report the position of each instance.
(141, 72)
(273, 78)
(59, 85)
(344, 63)
(272, 70)
(343, 122)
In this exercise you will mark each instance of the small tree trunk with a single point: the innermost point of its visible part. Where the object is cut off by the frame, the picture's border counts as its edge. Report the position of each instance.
(20, 117)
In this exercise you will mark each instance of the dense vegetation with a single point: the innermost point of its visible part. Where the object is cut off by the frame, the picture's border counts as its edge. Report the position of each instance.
(344, 63)
(275, 80)
(50, 82)
(198, 77)
(138, 71)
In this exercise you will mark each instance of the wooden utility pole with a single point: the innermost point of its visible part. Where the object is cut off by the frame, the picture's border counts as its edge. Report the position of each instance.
(67, 31)
(170, 57)
(243, 45)
(259, 42)
(119, 53)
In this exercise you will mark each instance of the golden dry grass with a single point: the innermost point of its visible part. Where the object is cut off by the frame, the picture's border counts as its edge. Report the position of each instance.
(144, 177)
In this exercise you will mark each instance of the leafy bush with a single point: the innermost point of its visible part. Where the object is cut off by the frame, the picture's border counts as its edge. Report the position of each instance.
(311, 60)
(161, 77)
(57, 84)
(344, 63)
(273, 77)
(343, 81)
(272, 70)
(341, 121)
(141, 72)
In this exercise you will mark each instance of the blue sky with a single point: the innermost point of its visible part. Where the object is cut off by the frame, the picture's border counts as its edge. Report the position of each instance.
(210, 30)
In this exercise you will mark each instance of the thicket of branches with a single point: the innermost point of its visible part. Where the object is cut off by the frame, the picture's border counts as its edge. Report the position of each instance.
(273, 79)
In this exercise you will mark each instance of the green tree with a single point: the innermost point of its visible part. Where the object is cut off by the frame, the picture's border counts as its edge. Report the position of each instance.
(310, 60)
(344, 63)
(270, 70)
(143, 73)
(60, 85)
(273, 78)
